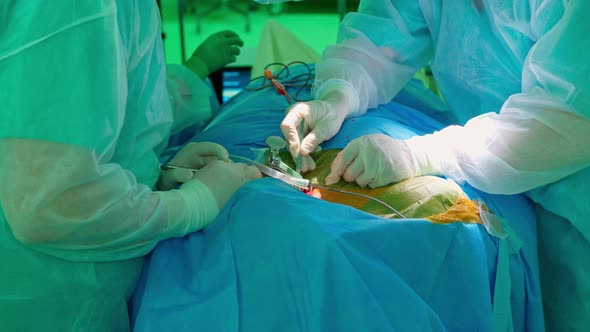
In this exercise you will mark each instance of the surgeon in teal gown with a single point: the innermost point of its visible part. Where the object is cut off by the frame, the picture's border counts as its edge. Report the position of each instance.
(87, 105)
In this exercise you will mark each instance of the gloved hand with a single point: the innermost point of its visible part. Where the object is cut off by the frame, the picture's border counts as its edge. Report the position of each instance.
(377, 160)
(216, 52)
(223, 178)
(322, 119)
(196, 203)
(194, 156)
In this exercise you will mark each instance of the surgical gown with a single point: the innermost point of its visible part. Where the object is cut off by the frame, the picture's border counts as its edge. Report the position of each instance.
(84, 113)
(516, 74)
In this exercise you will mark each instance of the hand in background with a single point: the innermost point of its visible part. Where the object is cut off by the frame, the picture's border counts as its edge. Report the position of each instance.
(216, 52)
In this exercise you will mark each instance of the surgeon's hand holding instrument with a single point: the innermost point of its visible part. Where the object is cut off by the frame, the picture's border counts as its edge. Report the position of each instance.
(280, 89)
(183, 166)
(223, 178)
(167, 167)
(324, 117)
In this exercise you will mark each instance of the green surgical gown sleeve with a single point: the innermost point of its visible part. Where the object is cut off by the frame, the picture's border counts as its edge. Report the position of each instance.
(190, 97)
(84, 112)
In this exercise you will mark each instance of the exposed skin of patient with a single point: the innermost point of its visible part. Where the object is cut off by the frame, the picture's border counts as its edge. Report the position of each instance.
(436, 199)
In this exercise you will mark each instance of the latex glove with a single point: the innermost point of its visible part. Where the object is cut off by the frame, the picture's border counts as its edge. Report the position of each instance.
(223, 178)
(377, 160)
(194, 156)
(196, 203)
(216, 52)
(322, 119)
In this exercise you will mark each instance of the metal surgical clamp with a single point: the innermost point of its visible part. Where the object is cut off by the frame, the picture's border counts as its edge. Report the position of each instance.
(275, 145)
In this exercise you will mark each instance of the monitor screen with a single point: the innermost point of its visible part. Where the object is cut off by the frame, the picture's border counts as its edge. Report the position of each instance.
(229, 81)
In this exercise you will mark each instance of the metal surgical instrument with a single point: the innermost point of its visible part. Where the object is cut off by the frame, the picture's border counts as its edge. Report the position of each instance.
(304, 184)
(275, 144)
(280, 89)
(167, 167)
(300, 183)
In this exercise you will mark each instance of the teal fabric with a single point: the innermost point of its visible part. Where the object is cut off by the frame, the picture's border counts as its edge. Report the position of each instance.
(564, 255)
(88, 77)
(328, 267)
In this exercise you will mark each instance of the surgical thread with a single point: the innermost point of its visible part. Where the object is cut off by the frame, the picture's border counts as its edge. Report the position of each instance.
(300, 81)
(362, 195)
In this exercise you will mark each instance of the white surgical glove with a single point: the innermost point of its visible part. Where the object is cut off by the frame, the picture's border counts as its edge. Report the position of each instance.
(196, 203)
(223, 178)
(377, 160)
(216, 52)
(193, 156)
(322, 119)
